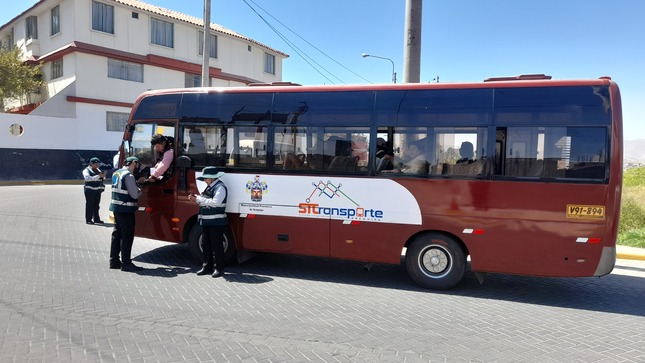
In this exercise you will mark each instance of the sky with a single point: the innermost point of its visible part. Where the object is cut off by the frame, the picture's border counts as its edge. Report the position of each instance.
(461, 40)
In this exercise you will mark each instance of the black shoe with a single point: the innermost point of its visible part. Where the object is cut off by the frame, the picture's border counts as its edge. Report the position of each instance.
(130, 267)
(89, 222)
(99, 222)
(205, 271)
(218, 273)
(115, 265)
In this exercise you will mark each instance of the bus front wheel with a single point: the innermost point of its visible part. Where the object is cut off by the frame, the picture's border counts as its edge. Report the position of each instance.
(435, 261)
(195, 245)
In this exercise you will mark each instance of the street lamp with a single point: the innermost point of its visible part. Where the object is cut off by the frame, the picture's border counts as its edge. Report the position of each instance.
(365, 55)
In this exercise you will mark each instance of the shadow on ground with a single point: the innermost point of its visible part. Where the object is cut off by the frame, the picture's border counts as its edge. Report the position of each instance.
(597, 294)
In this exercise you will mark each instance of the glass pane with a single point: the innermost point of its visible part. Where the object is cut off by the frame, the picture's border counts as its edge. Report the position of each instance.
(225, 108)
(557, 152)
(247, 147)
(289, 148)
(324, 108)
(434, 107)
(554, 105)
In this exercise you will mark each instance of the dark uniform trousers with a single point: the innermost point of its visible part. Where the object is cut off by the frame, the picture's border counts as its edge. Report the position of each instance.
(92, 202)
(213, 241)
(122, 237)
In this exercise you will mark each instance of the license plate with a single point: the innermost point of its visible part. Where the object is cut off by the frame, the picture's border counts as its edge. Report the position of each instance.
(585, 211)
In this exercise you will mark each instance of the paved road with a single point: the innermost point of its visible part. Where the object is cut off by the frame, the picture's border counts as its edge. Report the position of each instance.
(59, 302)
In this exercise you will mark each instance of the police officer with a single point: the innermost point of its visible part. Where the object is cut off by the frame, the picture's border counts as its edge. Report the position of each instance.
(93, 188)
(125, 193)
(212, 217)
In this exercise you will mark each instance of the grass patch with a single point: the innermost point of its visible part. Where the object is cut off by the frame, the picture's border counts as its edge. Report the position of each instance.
(632, 238)
(631, 230)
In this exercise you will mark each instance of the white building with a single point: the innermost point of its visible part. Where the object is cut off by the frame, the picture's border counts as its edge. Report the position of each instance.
(99, 55)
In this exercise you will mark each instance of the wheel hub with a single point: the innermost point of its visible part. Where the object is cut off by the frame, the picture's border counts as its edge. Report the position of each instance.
(435, 260)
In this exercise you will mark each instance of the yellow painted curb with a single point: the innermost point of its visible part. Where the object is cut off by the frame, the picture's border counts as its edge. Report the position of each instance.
(630, 256)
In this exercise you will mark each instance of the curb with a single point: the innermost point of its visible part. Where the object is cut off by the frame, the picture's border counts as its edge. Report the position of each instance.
(42, 182)
(630, 253)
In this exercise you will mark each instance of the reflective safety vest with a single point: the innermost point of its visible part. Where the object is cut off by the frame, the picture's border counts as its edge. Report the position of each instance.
(95, 185)
(213, 215)
(122, 202)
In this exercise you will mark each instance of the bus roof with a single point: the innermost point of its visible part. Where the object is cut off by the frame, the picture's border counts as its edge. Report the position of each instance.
(496, 82)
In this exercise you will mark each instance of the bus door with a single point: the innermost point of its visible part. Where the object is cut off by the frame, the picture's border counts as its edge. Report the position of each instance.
(358, 205)
(157, 204)
(269, 205)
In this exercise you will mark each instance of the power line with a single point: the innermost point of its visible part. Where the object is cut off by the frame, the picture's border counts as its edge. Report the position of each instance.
(299, 51)
(291, 45)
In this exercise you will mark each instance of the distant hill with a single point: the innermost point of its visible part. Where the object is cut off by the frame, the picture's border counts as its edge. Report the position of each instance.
(634, 151)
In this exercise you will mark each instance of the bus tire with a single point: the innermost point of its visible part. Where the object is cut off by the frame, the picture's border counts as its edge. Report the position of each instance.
(195, 245)
(435, 261)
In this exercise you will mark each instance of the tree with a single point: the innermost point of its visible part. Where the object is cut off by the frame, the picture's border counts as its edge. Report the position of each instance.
(18, 78)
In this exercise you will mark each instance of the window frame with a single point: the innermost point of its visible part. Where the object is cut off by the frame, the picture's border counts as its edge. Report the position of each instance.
(54, 20)
(31, 27)
(116, 121)
(269, 63)
(192, 80)
(102, 17)
(212, 52)
(57, 68)
(128, 66)
(159, 33)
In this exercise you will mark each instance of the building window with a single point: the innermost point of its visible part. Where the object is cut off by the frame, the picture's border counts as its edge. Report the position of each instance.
(161, 33)
(212, 52)
(57, 68)
(32, 27)
(116, 121)
(193, 80)
(125, 70)
(103, 17)
(11, 42)
(269, 63)
(55, 20)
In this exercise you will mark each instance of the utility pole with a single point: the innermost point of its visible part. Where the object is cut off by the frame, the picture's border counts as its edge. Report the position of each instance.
(206, 50)
(412, 53)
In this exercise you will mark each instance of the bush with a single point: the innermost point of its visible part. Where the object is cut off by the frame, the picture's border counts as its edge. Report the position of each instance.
(632, 211)
(631, 231)
(634, 177)
(633, 238)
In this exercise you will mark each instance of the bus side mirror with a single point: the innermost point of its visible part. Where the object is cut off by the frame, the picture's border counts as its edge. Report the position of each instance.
(183, 162)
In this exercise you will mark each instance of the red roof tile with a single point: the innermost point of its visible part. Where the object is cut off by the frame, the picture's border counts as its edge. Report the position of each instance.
(191, 20)
(170, 14)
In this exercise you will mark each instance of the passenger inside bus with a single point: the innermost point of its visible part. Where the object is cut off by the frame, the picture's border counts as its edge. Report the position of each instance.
(466, 152)
(343, 156)
(384, 156)
(294, 161)
(196, 145)
(414, 153)
(468, 165)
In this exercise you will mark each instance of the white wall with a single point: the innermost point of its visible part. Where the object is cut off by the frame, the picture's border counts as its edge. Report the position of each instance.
(87, 132)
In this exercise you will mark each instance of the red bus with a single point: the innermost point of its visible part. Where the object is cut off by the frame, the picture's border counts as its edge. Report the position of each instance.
(518, 175)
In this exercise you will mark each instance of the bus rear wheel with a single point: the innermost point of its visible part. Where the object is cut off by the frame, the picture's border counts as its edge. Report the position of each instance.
(435, 261)
(195, 245)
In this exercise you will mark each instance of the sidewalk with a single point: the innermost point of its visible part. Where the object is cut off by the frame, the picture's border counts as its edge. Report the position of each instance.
(630, 253)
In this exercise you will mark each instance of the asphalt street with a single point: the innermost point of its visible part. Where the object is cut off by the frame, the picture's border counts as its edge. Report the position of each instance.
(59, 302)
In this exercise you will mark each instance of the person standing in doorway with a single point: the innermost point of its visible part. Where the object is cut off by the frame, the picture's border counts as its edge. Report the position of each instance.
(212, 217)
(125, 194)
(164, 150)
(93, 188)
